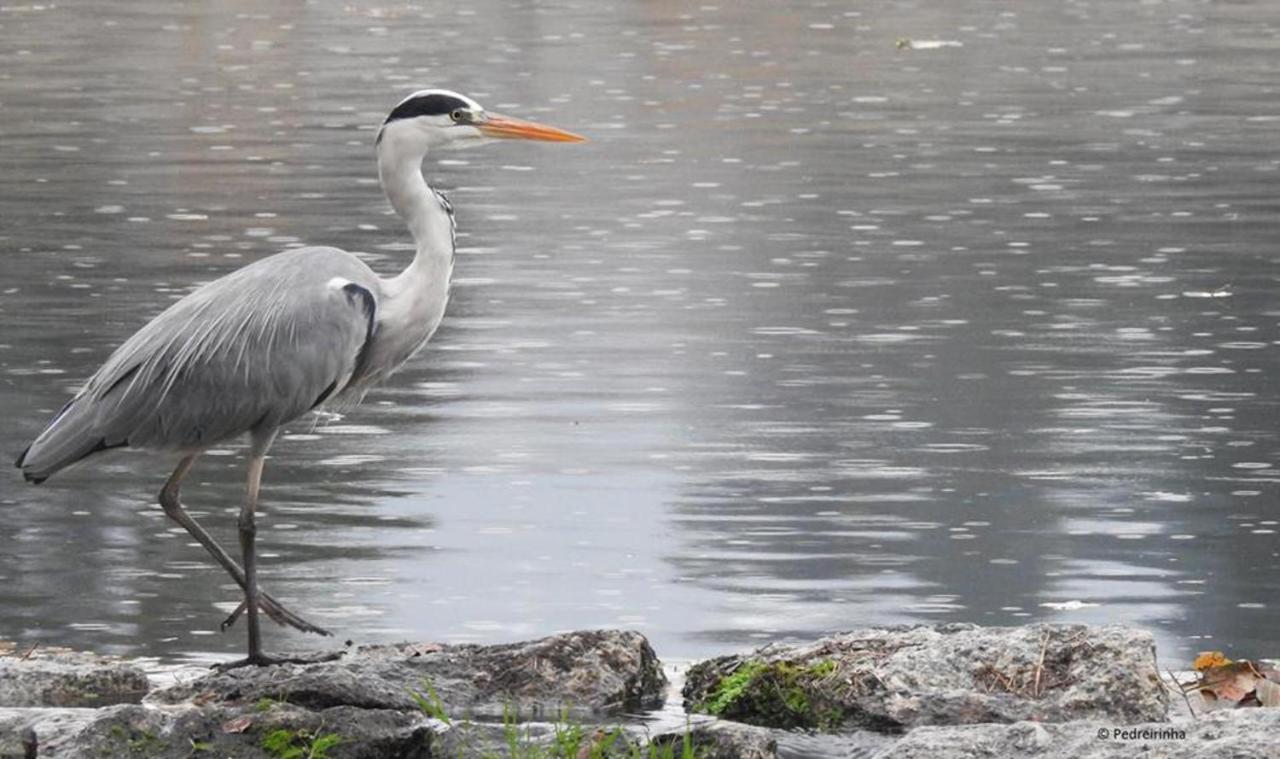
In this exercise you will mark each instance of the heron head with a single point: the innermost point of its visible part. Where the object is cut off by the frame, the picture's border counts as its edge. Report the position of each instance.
(431, 119)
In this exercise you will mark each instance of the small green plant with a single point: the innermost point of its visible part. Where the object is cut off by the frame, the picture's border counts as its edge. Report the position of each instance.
(265, 703)
(277, 742)
(510, 730)
(321, 745)
(430, 704)
(778, 694)
(569, 739)
(667, 750)
(566, 739)
(823, 668)
(298, 744)
(731, 688)
(572, 740)
(137, 741)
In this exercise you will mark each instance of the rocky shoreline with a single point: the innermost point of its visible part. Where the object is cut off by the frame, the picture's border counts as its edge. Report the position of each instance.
(912, 691)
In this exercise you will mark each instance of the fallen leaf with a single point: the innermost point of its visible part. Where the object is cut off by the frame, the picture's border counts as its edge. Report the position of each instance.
(1230, 682)
(1268, 692)
(237, 725)
(1208, 659)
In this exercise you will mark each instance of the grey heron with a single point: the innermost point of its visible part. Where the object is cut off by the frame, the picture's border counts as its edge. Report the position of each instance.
(281, 337)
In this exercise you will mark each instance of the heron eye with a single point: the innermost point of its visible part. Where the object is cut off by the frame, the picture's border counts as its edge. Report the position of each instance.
(458, 115)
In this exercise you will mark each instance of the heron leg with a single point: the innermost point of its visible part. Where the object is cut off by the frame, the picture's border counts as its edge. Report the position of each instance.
(252, 597)
(248, 538)
(172, 505)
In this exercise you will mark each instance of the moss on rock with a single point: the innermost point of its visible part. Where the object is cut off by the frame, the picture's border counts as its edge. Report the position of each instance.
(776, 693)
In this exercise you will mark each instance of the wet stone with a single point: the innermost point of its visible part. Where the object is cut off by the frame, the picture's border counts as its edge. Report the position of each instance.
(59, 677)
(578, 674)
(721, 739)
(410, 700)
(178, 732)
(1236, 733)
(892, 678)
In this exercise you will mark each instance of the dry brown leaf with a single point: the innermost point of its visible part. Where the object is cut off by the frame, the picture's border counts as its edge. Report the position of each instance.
(237, 725)
(1230, 682)
(1268, 692)
(1208, 659)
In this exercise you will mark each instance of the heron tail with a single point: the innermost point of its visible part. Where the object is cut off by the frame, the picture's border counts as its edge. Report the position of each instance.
(69, 437)
(22, 457)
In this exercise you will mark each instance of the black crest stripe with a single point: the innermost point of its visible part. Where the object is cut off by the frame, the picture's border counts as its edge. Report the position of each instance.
(435, 104)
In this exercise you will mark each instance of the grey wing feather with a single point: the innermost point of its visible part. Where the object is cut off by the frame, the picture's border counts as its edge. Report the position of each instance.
(250, 351)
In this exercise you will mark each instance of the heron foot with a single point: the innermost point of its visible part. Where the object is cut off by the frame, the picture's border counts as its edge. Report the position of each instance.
(280, 615)
(263, 660)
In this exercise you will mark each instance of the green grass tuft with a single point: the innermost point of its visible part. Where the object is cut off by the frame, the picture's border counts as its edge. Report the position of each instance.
(569, 739)
(430, 704)
(297, 744)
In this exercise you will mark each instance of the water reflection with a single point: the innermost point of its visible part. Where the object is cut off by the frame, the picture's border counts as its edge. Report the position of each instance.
(816, 332)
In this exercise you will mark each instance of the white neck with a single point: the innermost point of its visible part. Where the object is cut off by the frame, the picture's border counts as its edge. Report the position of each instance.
(430, 223)
(413, 302)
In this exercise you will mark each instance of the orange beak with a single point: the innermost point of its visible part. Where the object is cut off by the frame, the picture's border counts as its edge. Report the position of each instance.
(508, 128)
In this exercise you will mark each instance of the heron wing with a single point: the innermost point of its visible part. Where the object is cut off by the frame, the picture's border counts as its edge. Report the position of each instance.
(249, 351)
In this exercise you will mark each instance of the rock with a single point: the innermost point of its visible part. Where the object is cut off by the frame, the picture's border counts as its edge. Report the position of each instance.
(59, 677)
(488, 740)
(1235, 733)
(892, 678)
(713, 738)
(185, 731)
(579, 674)
(376, 701)
(1044, 691)
(720, 739)
(40, 727)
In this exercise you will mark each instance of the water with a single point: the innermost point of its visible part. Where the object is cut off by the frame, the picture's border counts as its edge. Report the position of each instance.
(819, 331)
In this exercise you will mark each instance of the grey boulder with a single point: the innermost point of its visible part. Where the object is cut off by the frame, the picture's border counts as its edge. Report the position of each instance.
(407, 700)
(588, 673)
(893, 678)
(1234, 733)
(58, 677)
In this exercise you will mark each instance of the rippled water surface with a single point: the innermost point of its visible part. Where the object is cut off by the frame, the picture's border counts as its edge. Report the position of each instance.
(822, 329)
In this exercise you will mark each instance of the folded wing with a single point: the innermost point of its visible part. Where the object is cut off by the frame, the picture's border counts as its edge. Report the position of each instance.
(247, 352)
